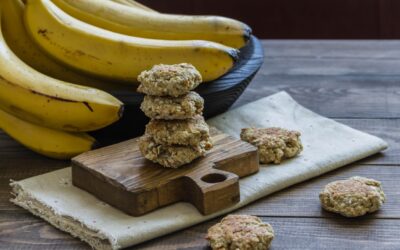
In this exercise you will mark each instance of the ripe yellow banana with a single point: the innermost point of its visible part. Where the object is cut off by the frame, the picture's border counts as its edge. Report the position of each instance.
(137, 22)
(29, 52)
(134, 4)
(49, 142)
(39, 99)
(117, 56)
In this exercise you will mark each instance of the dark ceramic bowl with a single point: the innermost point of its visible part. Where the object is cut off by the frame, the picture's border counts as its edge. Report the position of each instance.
(218, 96)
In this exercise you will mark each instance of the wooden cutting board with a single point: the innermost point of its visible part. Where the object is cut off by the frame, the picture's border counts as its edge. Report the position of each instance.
(121, 177)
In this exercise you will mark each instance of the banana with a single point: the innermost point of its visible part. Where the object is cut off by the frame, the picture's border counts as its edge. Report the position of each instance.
(48, 142)
(134, 4)
(117, 56)
(39, 99)
(136, 22)
(26, 49)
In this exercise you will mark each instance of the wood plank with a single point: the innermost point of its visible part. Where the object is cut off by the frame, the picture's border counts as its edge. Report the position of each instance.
(331, 66)
(22, 231)
(301, 233)
(334, 78)
(22, 168)
(333, 49)
(333, 96)
(302, 199)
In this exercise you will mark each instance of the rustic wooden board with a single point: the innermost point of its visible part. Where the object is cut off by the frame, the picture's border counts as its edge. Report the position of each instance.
(122, 177)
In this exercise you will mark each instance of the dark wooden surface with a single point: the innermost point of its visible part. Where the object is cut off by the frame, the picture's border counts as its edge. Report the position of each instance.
(122, 177)
(354, 82)
(315, 19)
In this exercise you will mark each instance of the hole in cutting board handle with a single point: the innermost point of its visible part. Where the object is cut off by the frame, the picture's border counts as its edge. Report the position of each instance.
(213, 178)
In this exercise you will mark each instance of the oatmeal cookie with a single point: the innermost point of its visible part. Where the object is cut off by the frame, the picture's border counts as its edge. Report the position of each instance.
(274, 144)
(352, 197)
(240, 232)
(173, 108)
(169, 80)
(169, 156)
(190, 132)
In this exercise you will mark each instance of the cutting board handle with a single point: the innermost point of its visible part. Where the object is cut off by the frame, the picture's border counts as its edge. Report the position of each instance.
(211, 191)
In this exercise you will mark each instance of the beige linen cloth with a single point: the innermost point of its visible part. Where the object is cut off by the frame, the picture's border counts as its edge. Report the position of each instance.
(327, 146)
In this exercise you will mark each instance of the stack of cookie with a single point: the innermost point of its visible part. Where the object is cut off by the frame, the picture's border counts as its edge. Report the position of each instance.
(177, 133)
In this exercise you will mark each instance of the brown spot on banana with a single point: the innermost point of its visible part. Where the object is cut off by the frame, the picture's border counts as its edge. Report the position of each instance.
(51, 97)
(42, 32)
(88, 106)
(35, 92)
(77, 53)
(81, 53)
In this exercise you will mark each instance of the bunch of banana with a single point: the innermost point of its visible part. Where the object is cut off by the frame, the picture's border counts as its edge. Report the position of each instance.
(45, 114)
(113, 55)
(55, 54)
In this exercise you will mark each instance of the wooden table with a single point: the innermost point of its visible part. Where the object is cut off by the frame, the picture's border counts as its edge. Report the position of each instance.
(355, 82)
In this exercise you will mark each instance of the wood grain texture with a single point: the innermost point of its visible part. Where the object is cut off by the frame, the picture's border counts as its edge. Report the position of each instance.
(301, 233)
(344, 67)
(294, 213)
(333, 49)
(334, 78)
(302, 199)
(122, 177)
(26, 232)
